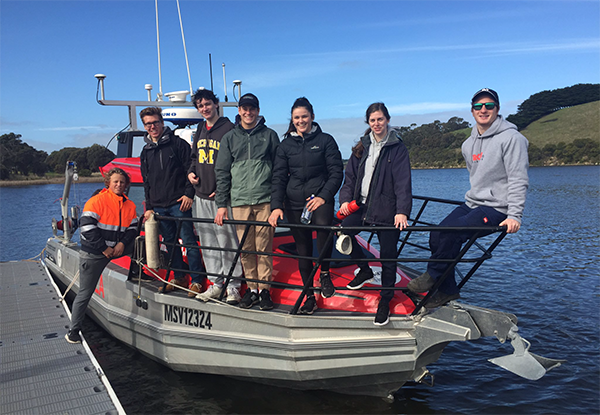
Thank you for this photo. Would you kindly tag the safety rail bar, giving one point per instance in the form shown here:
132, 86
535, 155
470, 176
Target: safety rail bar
477, 232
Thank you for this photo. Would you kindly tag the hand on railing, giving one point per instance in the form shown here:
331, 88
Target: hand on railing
512, 225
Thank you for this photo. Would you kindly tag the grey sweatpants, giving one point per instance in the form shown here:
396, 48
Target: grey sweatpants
90, 269
212, 235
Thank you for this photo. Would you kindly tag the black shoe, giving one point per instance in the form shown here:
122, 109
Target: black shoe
439, 299
250, 299
327, 288
309, 306
265, 300
361, 278
383, 313
73, 337
421, 284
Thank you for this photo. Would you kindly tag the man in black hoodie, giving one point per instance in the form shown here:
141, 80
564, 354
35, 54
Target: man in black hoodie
201, 174
164, 163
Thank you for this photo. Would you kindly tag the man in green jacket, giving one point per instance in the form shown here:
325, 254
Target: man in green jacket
243, 171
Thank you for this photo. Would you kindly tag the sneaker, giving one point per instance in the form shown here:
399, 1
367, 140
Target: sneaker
439, 299
250, 299
179, 282
265, 300
361, 278
73, 337
233, 295
421, 284
383, 313
195, 289
309, 306
327, 288
212, 292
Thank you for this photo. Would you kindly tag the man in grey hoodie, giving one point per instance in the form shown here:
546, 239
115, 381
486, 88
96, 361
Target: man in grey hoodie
497, 161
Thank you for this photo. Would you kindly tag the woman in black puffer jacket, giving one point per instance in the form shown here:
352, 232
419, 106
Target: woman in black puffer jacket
308, 162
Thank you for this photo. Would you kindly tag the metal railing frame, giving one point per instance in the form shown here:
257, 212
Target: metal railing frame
477, 232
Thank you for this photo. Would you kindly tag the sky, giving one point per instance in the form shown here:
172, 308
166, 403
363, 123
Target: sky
423, 59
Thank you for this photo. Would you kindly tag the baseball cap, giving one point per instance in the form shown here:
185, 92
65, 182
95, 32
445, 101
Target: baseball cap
249, 99
486, 91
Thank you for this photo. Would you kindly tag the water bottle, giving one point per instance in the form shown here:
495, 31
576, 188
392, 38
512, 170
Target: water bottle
306, 214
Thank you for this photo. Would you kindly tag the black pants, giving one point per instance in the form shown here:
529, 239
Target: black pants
304, 241
388, 246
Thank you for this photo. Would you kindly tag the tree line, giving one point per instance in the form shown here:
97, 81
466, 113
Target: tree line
546, 102
18, 158
433, 145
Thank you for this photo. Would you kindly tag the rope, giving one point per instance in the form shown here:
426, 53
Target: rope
35, 258
69, 287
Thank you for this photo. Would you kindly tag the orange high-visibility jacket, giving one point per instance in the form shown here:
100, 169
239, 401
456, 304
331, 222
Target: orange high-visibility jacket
106, 220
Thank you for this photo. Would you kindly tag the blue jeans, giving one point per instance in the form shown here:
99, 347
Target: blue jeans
447, 245
168, 230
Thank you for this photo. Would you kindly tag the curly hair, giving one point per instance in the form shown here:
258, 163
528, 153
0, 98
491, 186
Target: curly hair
113, 171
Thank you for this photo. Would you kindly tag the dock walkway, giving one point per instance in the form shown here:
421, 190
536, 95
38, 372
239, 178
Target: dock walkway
40, 373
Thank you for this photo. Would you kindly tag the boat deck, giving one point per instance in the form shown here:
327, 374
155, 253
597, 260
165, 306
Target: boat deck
39, 371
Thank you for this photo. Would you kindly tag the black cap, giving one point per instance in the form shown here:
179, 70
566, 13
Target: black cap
486, 91
248, 99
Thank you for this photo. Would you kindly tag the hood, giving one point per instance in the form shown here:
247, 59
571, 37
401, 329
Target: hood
166, 137
314, 131
393, 137
498, 126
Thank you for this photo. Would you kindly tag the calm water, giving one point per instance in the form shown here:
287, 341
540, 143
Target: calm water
547, 274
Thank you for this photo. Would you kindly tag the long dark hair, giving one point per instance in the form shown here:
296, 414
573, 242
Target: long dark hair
301, 102
358, 149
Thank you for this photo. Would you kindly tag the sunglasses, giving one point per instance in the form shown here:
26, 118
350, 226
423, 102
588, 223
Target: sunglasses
488, 106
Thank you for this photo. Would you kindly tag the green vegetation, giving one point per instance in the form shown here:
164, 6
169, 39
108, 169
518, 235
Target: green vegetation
566, 125
546, 102
18, 157
436, 145
18, 160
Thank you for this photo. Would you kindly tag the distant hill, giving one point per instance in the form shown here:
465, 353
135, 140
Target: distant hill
566, 125
567, 136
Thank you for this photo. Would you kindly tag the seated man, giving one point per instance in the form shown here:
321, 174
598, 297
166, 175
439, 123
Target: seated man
497, 161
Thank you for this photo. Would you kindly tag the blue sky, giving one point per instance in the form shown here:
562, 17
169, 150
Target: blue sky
424, 59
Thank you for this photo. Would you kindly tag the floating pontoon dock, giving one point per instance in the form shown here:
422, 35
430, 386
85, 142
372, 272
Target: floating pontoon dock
39, 371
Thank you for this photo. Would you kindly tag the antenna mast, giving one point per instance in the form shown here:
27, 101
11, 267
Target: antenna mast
224, 82
187, 64
160, 93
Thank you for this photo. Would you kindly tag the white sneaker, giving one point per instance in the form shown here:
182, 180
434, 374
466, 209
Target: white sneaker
233, 295
212, 292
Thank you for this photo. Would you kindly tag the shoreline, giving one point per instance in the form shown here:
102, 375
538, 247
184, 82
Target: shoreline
48, 180
100, 179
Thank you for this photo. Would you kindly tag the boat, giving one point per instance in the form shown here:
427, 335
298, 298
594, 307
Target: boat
337, 348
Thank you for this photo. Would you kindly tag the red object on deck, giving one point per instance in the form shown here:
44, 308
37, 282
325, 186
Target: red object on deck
130, 164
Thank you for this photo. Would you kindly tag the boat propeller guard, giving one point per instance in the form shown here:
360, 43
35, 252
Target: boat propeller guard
523, 363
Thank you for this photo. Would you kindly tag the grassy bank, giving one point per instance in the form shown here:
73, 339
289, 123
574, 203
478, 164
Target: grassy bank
48, 179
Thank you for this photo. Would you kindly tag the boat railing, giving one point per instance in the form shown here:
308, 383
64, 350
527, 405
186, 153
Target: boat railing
414, 237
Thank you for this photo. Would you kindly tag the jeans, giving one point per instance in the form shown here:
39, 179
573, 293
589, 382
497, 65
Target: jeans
447, 245
168, 230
